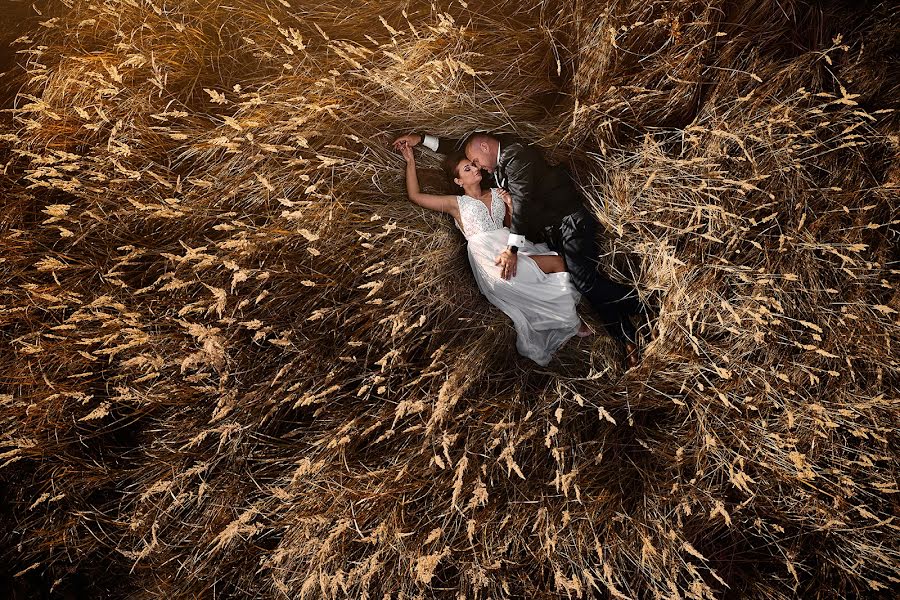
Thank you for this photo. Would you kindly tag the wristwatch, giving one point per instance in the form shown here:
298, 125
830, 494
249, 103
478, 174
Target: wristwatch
514, 249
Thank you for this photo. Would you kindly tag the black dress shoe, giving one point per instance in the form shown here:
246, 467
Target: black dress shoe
631, 355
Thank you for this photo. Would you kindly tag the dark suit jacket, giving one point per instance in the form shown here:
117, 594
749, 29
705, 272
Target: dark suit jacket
541, 194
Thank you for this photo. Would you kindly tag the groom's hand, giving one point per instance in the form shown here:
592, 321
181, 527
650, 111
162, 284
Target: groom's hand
410, 139
507, 262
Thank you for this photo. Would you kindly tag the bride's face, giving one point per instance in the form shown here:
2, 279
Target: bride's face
467, 173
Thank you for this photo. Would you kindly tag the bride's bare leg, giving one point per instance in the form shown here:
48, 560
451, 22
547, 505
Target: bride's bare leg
549, 263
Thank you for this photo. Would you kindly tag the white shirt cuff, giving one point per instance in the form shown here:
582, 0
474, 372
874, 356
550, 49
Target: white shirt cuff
516, 240
430, 142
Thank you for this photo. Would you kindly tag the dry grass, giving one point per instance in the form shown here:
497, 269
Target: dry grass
237, 362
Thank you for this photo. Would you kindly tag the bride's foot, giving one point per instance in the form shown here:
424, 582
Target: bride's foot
584, 330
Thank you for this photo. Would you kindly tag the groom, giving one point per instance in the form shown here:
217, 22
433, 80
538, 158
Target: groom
546, 207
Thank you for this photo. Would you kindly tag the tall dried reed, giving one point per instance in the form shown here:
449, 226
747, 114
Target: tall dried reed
237, 362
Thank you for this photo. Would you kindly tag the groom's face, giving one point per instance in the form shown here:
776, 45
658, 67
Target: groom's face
480, 155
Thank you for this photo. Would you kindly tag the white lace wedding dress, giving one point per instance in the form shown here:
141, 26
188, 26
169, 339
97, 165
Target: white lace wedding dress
541, 305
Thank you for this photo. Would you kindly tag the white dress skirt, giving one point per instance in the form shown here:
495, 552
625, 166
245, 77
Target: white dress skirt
541, 305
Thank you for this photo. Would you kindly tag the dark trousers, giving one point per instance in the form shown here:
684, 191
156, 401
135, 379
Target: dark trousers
575, 238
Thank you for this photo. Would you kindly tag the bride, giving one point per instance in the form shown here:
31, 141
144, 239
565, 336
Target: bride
540, 297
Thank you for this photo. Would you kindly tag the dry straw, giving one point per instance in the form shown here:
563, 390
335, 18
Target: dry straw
237, 362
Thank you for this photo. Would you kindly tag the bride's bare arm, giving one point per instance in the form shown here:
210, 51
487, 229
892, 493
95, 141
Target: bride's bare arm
445, 204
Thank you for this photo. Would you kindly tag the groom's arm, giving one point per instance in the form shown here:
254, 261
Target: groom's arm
520, 184
435, 144
441, 145
519, 168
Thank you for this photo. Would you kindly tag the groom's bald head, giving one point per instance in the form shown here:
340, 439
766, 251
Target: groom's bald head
481, 149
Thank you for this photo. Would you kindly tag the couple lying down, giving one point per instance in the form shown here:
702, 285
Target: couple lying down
532, 257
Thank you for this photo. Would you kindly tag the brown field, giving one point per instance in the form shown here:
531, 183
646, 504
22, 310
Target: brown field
236, 361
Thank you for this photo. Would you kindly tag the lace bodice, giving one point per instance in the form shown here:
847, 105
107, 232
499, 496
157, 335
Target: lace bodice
475, 217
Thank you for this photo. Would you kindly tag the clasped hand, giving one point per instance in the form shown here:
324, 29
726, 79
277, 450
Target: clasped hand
410, 139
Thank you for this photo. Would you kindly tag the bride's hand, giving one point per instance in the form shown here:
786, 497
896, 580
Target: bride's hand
507, 199
407, 153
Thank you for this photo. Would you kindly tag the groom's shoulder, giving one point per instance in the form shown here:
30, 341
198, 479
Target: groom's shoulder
508, 140
511, 146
